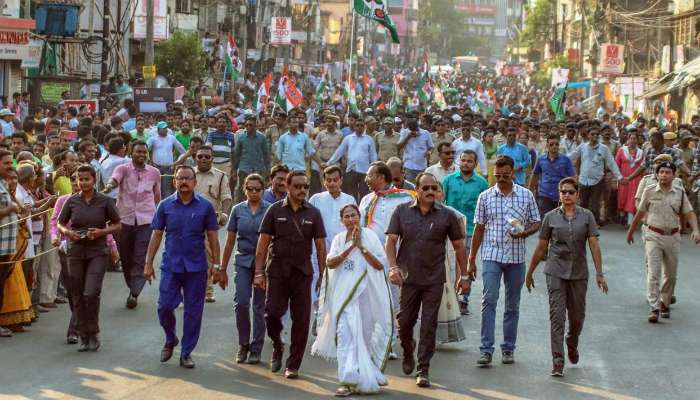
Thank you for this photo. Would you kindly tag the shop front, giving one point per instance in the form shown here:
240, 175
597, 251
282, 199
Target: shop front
14, 48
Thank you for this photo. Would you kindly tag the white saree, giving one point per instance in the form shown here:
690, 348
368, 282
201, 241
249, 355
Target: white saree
355, 316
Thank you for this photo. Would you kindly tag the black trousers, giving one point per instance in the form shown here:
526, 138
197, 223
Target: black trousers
85, 276
293, 292
411, 299
546, 205
133, 244
354, 185
5, 271
591, 197
316, 186
72, 330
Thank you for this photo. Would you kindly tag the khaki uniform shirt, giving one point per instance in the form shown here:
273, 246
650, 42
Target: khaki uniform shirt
648, 180
272, 134
387, 146
327, 143
213, 186
434, 155
664, 208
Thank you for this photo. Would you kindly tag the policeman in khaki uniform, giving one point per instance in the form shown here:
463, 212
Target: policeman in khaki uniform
387, 141
213, 185
662, 205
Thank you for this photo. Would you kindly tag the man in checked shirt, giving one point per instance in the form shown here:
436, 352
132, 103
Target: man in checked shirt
498, 210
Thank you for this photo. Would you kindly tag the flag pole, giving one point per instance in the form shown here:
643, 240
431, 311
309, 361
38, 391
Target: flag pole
352, 42
223, 83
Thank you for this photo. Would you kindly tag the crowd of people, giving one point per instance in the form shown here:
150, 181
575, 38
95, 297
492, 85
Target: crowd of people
349, 226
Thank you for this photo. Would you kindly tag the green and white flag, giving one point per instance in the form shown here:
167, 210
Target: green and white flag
233, 62
321, 88
557, 103
350, 97
378, 11
423, 89
395, 96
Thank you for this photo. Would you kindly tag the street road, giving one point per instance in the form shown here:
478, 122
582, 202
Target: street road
622, 355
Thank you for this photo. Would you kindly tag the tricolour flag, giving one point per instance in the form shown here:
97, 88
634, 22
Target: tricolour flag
288, 96
423, 89
321, 88
350, 97
263, 94
439, 99
378, 11
233, 62
395, 96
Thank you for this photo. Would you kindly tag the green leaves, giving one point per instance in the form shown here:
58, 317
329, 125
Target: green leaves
181, 59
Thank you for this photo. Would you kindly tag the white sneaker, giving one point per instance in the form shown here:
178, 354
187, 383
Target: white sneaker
393, 356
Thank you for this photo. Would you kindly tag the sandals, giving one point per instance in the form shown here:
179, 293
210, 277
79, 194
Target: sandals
343, 391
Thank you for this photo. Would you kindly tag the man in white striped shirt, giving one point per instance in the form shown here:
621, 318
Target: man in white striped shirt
505, 215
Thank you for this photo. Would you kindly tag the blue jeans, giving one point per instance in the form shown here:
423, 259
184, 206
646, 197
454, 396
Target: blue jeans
513, 278
241, 304
464, 296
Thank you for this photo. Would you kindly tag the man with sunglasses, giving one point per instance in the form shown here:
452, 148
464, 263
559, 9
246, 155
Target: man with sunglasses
506, 215
446, 163
287, 232
138, 196
569, 142
419, 268
213, 185
441, 135
549, 170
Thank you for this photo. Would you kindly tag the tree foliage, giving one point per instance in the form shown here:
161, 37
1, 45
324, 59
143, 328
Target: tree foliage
542, 77
538, 28
442, 29
181, 59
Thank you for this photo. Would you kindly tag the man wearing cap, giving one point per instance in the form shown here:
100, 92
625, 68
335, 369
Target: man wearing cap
387, 141
662, 205
670, 139
6, 122
359, 152
162, 147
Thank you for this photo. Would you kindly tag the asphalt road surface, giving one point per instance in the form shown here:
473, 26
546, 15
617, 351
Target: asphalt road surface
622, 355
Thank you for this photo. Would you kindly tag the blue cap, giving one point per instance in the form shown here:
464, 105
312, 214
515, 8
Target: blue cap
162, 125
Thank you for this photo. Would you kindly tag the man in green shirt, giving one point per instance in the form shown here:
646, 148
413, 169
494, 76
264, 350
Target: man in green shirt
184, 135
140, 133
462, 189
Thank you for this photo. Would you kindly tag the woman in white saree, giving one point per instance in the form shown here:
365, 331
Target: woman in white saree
355, 316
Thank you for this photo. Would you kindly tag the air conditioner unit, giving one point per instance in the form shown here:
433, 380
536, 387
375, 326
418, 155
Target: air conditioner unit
54, 19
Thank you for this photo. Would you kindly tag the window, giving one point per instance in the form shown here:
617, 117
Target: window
183, 6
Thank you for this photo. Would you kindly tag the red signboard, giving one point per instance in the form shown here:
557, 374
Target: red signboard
92, 104
476, 9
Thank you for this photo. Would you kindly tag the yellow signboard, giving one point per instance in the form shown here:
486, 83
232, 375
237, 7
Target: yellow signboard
149, 72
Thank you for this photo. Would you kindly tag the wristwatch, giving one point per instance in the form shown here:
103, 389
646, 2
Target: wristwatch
363, 250
217, 267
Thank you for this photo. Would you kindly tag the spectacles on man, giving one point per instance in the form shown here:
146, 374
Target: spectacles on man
569, 192
433, 188
253, 189
203, 157
184, 178
300, 186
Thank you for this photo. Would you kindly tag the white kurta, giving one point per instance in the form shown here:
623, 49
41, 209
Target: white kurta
356, 322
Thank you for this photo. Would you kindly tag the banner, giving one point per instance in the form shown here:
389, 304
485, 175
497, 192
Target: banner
280, 31
560, 76
611, 59
160, 19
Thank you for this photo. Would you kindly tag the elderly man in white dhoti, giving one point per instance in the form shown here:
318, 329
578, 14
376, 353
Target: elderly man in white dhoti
356, 322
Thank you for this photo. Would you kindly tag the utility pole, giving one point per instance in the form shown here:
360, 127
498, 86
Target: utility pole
582, 37
149, 57
556, 28
104, 71
287, 53
27, 9
120, 36
245, 11
307, 45
91, 30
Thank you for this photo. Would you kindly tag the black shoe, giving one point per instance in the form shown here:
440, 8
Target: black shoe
253, 358
654, 316
291, 373
484, 360
72, 339
94, 343
131, 302
242, 355
572, 352
673, 299
276, 361
408, 364
60, 300
84, 344
665, 311
507, 357
423, 380
187, 362
464, 308
167, 351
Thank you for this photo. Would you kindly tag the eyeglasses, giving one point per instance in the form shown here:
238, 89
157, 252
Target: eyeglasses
553, 143
203, 157
184, 178
569, 192
253, 189
447, 152
300, 186
426, 188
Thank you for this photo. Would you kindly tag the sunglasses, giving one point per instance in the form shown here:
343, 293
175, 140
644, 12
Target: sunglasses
569, 192
426, 188
447, 152
203, 157
253, 189
302, 186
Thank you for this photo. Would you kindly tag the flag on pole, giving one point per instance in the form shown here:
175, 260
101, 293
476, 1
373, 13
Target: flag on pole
423, 90
378, 11
233, 62
288, 96
483, 100
350, 97
439, 98
395, 96
557, 103
263, 94
321, 88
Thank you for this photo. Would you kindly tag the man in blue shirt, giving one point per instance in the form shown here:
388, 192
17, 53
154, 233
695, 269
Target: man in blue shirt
278, 184
416, 144
549, 170
518, 152
185, 218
